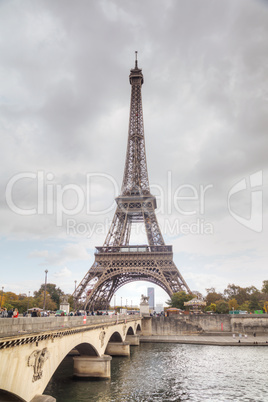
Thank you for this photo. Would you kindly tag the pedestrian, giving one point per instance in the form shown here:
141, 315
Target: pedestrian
15, 313
4, 312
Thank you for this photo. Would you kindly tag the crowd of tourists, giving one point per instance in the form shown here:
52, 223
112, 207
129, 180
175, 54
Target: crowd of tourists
12, 313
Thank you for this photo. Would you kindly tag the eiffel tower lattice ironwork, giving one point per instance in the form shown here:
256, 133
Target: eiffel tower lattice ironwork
116, 262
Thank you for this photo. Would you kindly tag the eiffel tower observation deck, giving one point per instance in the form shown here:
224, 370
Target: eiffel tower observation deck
117, 262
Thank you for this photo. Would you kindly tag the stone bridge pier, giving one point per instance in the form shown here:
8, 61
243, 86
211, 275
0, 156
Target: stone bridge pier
28, 361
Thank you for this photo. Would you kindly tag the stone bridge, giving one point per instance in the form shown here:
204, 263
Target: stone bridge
35, 348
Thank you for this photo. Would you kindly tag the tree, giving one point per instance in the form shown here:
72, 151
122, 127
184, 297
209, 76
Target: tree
245, 306
254, 302
177, 299
197, 294
212, 307
71, 301
233, 305
212, 296
240, 294
265, 287
50, 304
251, 289
55, 293
9, 300
222, 307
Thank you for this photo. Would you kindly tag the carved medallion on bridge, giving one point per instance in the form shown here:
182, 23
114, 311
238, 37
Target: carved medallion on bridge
37, 360
101, 337
124, 329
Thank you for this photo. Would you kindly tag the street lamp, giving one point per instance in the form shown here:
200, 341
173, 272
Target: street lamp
28, 301
114, 301
75, 295
2, 295
44, 307
121, 302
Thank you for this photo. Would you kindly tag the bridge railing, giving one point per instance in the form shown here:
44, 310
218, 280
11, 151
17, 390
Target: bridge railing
20, 325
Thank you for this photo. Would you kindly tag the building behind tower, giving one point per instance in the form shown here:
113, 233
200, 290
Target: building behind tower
150, 294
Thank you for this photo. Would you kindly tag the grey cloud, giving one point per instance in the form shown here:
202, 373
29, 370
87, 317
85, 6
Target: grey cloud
65, 94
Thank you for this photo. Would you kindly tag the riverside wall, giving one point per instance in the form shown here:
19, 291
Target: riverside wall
203, 323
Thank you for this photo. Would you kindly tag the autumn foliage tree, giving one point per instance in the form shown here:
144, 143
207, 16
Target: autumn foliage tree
177, 299
53, 294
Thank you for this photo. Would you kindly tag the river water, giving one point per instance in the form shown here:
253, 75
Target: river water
172, 372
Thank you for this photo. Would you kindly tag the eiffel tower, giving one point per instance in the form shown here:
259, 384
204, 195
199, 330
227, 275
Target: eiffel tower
116, 262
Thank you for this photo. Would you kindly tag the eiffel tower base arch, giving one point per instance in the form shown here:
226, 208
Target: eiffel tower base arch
115, 267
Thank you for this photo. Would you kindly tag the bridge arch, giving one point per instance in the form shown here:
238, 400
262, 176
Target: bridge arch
86, 349
130, 331
9, 396
116, 337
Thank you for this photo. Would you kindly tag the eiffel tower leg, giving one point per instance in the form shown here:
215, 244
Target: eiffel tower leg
128, 231
152, 229
119, 231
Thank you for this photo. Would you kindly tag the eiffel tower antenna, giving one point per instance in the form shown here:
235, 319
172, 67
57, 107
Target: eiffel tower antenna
117, 262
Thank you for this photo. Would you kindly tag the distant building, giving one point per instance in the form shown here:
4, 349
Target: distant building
150, 294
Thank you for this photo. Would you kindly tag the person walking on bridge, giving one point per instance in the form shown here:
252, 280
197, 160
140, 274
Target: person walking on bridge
15, 313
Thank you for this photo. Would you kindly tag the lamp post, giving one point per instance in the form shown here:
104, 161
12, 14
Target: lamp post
28, 301
114, 301
121, 303
75, 295
45, 291
2, 296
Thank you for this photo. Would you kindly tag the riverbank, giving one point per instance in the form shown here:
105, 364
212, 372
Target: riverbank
202, 324
228, 340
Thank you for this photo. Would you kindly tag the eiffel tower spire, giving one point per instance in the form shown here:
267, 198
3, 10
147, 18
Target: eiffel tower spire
136, 203
116, 262
135, 181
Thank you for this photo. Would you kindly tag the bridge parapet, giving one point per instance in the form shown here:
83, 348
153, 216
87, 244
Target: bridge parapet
17, 326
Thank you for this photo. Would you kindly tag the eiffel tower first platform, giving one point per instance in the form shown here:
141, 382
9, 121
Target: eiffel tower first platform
116, 262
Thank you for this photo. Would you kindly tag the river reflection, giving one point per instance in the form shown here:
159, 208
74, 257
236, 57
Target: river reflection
172, 372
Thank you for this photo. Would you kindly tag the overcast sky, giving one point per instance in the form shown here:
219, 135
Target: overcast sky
65, 99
